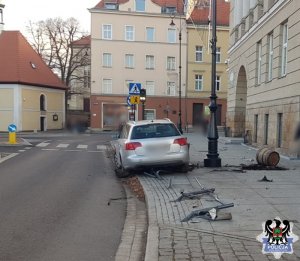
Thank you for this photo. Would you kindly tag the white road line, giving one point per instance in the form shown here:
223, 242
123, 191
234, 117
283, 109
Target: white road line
101, 147
8, 157
73, 150
62, 145
28, 148
82, 146
21, 150
42, 144
50, 149
96, 151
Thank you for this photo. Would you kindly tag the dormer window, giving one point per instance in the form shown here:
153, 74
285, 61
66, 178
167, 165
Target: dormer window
140, 5
33, 65
168, 10
111, 6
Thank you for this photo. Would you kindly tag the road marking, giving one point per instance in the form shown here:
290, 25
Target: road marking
101, 147
62, 145
73, 150
50, 149
96, 151
8, 157
28, 148
21, 150
42, 144
82, 146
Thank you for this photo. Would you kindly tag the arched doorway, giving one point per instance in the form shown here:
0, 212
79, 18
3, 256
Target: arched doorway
240, 104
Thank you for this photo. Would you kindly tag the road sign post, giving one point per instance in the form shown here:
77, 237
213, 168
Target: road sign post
12, 137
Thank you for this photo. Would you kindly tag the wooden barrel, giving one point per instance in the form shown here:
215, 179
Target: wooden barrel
267, 157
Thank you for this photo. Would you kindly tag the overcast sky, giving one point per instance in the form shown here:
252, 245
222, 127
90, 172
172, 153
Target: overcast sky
17, 13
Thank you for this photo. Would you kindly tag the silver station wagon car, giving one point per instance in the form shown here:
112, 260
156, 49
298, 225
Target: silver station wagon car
150, 144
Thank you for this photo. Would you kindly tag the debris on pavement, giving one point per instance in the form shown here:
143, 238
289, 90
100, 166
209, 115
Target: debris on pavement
136, 187
265, 179
208, 213
194, 194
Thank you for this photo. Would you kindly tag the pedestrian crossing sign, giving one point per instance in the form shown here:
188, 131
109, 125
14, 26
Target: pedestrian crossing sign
135, 88
135, 99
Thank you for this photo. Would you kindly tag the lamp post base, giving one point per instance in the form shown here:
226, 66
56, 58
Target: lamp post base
212, 163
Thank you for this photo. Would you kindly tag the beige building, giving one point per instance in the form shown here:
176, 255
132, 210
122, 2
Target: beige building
31, 96
264, 93
133, 41
199, 63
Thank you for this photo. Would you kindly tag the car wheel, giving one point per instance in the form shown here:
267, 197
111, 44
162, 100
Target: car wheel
119, 169
184, 168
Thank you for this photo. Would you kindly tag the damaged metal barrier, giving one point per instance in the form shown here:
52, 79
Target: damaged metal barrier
210, 213
194, 194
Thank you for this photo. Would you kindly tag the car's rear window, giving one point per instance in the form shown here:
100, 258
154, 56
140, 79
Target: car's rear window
155, 130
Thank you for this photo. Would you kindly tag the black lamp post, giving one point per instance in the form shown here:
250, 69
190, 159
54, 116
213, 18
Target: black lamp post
213, 159
179, 91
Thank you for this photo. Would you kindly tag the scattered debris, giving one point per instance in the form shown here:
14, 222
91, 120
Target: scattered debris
115, 199
136, 187
261, 167
154, 174
265, 179
210, 213
194, 194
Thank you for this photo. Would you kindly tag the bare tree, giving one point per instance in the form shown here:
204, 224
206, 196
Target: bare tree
53, 40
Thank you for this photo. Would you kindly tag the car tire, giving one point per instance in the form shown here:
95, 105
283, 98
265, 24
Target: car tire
119, 169
184, 168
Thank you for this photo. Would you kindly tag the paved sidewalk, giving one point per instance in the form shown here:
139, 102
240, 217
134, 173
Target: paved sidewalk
255, 202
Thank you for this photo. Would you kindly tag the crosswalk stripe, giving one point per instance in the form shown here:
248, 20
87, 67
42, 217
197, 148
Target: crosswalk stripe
28, 148
62, 145
43, 144
101, 147
82, 146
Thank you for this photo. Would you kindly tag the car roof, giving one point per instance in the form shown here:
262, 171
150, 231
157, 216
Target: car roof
146, 122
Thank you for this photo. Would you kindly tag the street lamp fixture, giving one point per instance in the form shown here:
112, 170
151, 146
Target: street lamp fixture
213, 159
179, 89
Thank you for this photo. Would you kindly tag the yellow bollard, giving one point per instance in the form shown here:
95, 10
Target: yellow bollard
12, 139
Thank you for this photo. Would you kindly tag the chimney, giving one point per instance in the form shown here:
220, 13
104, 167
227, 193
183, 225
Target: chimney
1, 16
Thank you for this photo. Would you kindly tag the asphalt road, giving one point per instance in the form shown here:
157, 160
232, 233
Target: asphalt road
54, 201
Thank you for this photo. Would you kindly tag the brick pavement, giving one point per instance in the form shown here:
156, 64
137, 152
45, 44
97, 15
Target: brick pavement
255, 202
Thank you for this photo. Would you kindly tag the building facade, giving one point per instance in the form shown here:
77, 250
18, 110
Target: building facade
31, 96
264, 93
133, 41
199, 61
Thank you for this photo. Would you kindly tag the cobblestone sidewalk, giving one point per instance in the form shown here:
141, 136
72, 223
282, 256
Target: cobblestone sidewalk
255, 202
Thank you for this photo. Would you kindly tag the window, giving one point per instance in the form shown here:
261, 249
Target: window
107, 86
149, 114
279, 130
111, 6
171, 63
218, 54
149, 62
129, 61
258, 63
218, 83
198, 82
270, 57
140, 5
266, 129
255, 127
171, 88
42, 102
150, 87
87, 76
168, 10
199, 53
284, 49
150, 32
171, 35
107, 60
129, 33
107, 31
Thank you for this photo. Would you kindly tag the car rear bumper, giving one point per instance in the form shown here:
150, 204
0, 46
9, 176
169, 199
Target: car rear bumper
169, 160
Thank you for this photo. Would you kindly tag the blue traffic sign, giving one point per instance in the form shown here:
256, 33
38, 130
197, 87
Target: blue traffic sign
128, 100
135, 88
12, 128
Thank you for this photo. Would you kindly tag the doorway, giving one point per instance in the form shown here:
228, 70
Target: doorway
197, 114
42, 123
